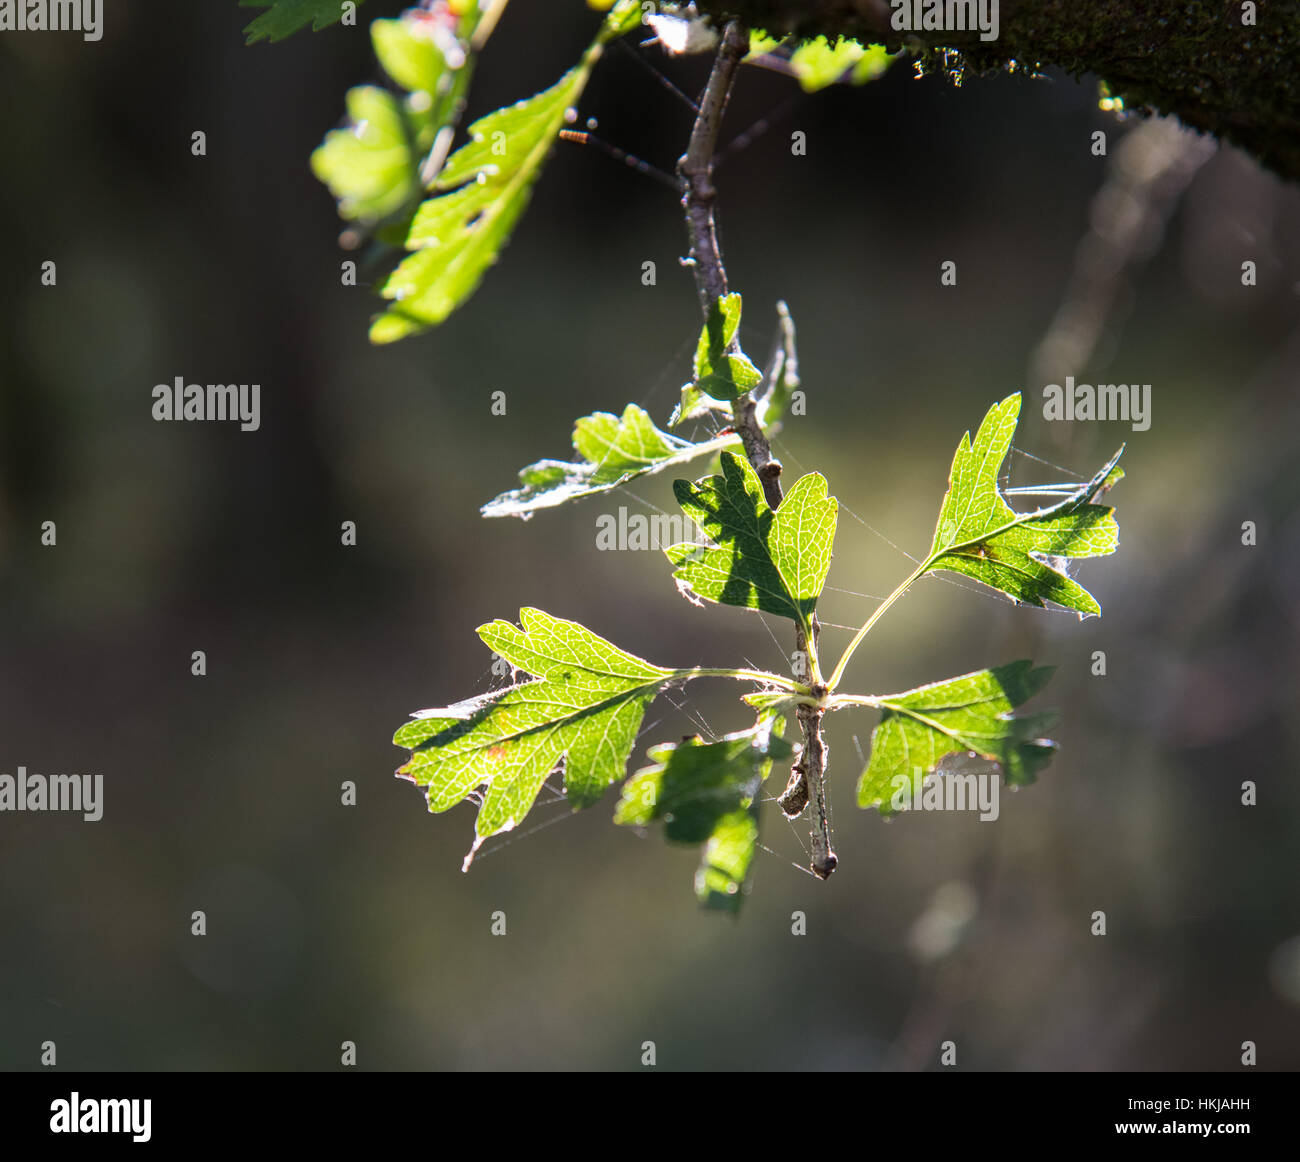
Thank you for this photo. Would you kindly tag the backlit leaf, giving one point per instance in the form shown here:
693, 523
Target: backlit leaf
817, 64
706, 793
722, 370
779, 380
612, 450
368, 165
372, 165
580, 714
759, 559
479, 196
979, 535
920, 727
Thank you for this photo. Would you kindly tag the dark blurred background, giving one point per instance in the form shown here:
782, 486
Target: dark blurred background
329, 923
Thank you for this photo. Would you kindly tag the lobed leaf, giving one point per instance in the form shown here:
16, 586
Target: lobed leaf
479, 196
921, 727
772, 561
779, 380
457, 235
368, 166
581, 714
372, 165
706, 793
979, 535
722, 370
613, 450
417, 52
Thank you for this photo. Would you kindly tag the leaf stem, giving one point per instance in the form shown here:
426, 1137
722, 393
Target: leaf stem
744, 676
1081, 492
875, 617
838, 701
807, 635
487, 23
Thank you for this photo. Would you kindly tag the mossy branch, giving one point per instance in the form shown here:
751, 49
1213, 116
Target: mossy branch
1191, 58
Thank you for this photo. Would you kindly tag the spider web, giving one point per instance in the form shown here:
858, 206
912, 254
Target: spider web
551, 807
677, 714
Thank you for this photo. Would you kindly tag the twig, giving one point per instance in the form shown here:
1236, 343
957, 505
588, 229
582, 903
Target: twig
807, 779
658, 76
583, 137
696, 168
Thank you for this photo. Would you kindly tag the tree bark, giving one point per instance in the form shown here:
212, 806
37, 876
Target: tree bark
1194, 59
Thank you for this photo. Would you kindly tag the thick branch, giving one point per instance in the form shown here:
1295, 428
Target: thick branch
807, 786
1192, 58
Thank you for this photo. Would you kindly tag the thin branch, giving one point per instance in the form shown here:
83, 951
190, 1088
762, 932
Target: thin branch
583, 137
696, 168
879, 612
807, 779
658, 76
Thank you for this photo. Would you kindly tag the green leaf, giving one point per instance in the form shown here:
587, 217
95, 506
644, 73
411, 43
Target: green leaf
413, 57
694, 404
625, 18
722, 370
581, 713
724, 865
781, 377
773, 561
706, 792
457, 234
972, 713
285, 17
873, 65
372, 165
817, 64
979, 535
479, 196
368, 166
612, 450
